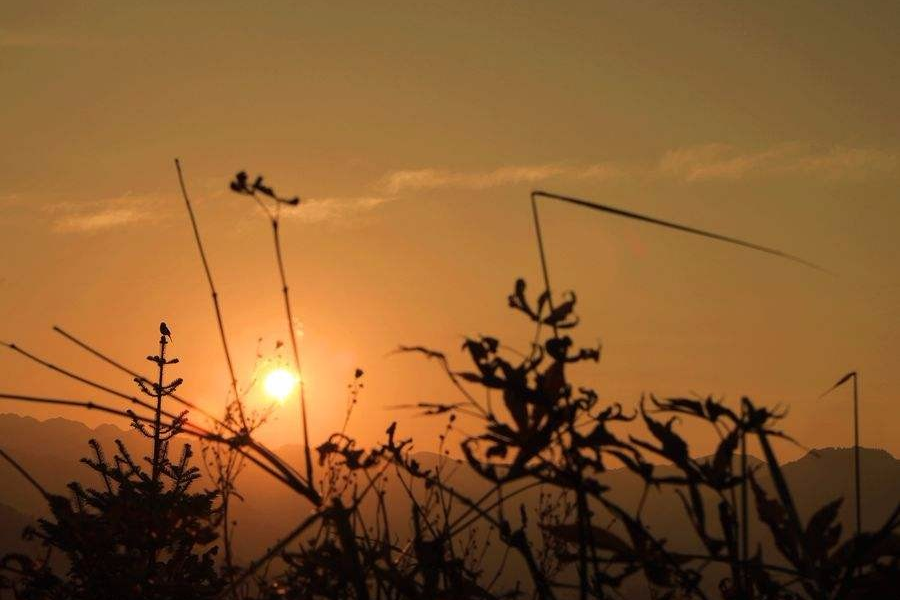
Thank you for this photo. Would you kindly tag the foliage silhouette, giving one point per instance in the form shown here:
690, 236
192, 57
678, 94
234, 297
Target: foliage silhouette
142, 534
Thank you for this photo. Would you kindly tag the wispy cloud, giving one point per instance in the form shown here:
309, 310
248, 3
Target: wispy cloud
725, 162
94, 216
843, 162
691, 164
318, 210
604, 172
424, 179
419, 179
98, 215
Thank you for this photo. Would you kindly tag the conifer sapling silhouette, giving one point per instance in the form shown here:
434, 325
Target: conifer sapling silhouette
142, 534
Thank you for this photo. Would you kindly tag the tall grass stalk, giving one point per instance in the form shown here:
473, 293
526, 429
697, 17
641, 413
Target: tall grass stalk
661, 223
212, 289
854, 376
259, 192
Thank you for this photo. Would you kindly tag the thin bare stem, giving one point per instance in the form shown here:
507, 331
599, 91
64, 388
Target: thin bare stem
540, 243
91, 405
157, 415
213, 292
854, 376
24, 473
745, 519
684, 228
856, 453
307, 454
137, 375
79, 378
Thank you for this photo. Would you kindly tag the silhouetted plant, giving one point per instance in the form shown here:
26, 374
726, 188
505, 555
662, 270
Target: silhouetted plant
534, 428
549, 431
241, 185
545, 431
142, 534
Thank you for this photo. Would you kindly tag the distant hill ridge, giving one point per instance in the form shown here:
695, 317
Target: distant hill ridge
18, 421
15, 428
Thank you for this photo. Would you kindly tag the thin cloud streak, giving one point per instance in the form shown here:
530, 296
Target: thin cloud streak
419, 179
691, 164
94, 216
98, 215
319, 210
725, 162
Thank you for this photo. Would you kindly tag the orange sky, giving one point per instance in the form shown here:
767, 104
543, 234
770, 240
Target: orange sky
416, 133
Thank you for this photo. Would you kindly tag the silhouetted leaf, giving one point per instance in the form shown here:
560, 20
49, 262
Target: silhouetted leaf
773, 514
822, 533
721, 463
470, 377
557, 317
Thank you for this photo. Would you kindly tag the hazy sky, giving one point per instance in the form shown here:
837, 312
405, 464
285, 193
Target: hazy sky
416, 131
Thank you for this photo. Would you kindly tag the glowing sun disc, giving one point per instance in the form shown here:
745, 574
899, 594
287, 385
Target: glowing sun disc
279, 383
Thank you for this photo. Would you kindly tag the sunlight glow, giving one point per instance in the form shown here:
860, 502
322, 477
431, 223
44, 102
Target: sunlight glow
279, 383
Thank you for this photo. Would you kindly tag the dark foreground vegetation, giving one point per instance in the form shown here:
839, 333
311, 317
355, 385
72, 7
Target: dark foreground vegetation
141, 530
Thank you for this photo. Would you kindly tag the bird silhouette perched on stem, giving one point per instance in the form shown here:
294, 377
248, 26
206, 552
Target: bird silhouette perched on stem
164, 331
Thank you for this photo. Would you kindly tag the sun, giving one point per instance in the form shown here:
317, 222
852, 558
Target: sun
279, 383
